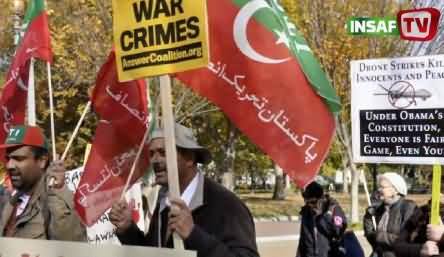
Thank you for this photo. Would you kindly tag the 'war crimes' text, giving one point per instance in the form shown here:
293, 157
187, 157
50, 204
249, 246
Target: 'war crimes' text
158, 33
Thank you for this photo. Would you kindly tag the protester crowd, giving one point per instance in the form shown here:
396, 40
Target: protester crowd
207, 217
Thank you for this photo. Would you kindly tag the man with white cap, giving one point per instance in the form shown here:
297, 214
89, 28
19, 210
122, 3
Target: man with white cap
390, 215
210, 219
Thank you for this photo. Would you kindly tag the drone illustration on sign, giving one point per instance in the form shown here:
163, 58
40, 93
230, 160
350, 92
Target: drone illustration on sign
402, 94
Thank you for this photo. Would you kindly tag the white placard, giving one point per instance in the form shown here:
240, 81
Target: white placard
398, 110
102, 232
16, 247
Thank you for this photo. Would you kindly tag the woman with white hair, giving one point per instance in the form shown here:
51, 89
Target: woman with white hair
390, 215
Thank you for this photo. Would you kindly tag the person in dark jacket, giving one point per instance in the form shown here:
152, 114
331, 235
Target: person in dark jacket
210, 219
322, 224
389, 216
418, 238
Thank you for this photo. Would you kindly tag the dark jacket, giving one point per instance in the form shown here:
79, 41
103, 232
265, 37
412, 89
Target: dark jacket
223, 225
382, 242
48, 215
4, 196
321, 235
413, 235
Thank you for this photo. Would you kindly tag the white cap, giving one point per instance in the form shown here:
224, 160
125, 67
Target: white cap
396, 180
186, 139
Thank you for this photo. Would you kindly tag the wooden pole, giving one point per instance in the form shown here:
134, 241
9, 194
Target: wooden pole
136, 160
76, 130
435, 218
170, 145
364, 181
31, 96
51, 111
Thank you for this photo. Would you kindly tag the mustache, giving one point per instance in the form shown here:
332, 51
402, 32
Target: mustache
158, 166
12, 171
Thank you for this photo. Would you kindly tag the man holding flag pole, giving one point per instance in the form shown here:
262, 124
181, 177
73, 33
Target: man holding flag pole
263, 80
34, 210
27, 148
209, 218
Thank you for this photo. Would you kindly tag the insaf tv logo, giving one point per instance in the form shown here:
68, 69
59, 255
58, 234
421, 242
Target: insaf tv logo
416, 24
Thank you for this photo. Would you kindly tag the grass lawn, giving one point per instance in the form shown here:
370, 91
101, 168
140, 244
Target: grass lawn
261, 204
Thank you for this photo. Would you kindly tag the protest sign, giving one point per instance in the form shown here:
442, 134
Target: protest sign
102, 232
16, 247
397, 110
159, 37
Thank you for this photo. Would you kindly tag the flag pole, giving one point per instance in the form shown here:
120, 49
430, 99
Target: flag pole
136, 160
76, 130
74, 134
51, 111
170, 145
435, 218
364, 182
150, 127
31, 95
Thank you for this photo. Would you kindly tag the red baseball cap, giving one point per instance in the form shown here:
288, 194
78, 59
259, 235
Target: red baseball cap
25, 135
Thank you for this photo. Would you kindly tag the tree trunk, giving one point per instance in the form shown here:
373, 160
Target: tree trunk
230, 153
344, 172
264, 182
287, 182
374, 177
344, 136
355, 194
253, 181
345, 180
228, 180
279, 186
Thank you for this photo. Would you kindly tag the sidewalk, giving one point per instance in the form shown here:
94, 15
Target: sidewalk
285, 246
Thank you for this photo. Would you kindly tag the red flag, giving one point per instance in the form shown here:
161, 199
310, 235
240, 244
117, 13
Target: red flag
256, 79
123, 110
35, 43
122, 103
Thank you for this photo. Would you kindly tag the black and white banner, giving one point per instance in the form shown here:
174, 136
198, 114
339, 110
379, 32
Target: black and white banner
398, 110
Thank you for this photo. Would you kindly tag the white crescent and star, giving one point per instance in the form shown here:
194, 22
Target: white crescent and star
240, 34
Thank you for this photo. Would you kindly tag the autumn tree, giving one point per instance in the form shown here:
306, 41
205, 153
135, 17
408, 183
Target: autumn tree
323, 25
81, 37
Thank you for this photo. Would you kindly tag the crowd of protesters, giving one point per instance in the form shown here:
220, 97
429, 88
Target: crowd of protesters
393, 225
208, 218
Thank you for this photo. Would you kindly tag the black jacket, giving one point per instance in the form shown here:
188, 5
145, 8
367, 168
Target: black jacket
413, 235
321, 235
382, 242
223, 225
4, 196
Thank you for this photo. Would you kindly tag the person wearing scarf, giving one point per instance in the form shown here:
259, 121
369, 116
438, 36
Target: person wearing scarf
390, 215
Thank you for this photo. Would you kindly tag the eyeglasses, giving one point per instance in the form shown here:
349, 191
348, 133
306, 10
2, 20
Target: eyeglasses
384, 187
311, 201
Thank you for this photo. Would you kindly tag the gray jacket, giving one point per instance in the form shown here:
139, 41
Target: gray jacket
48, 215
383, 241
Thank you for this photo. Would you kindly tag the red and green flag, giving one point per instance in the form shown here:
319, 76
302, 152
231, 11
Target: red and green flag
123, 111
264, 76
35, 43
37, 38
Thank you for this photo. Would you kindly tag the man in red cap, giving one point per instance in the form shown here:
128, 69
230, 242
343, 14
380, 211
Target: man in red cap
35, 210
